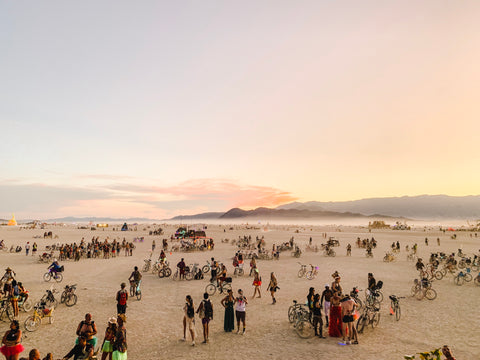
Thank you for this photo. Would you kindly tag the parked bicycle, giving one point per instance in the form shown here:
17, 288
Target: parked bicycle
68, 296
395, 306
40, 312
312, 274
25, 303
300, 316
6, 309
329, 252
212, 288
49, 298
147, 265
371, 316
389, 257
356, 298
303, 270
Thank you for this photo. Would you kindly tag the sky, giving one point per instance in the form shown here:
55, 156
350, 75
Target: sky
160, 108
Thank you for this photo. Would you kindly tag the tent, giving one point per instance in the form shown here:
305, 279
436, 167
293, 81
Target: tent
12, 221
124, 227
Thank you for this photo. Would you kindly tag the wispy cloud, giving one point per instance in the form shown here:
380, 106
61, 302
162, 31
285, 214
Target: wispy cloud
134, 199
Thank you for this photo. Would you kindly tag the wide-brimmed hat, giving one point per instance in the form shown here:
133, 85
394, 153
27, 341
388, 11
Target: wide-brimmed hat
112, 320
8, 269
122, 317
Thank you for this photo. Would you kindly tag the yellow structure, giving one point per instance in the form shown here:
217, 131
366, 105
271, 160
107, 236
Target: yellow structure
12, 221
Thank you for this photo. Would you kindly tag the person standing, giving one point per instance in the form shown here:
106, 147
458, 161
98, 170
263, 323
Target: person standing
181, 267
326, 295
189, 319
349, 250
120, 343
372, 283
213, 270
257, 282
229, 320
27, 248
335, 326
240, 310
273, 287
310, 299
122, 297
348, 308
205, 311
107, 346
336, 287
34, 249
11, 342
317, 316
153, 246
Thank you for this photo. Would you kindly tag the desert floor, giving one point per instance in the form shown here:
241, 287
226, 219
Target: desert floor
154, 324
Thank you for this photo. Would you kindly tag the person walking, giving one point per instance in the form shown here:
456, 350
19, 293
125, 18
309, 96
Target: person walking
122, 297
273, 287
27, 248
229, 320
189, 319
205, 311
240, 310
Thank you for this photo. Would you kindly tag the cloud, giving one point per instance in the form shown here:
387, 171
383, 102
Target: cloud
132, 199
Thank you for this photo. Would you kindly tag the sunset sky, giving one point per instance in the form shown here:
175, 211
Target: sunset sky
159, 108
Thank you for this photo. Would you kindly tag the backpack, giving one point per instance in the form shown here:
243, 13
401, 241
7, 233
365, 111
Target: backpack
190, 311
207, 309
122, 298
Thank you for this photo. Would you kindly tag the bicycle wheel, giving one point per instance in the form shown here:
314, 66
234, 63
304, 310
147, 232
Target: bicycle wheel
226, 287
461, 265
189, 276
132, 290
459, 280
161, 273
205, 268
333, 253
139, 295
397, 312
63, 297
375, 319
420, 294
210, 289
291, 313
438, 275
380, 296
301, 273
47, 276
32, 323
240, 272
175, 276
71, 300
145, 268
310, 275
58, 278
27, 305
304, 329
362, 321
468, 277
430, 294
359, 304
167, 272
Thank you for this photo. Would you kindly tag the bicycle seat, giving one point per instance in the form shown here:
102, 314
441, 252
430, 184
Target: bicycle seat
294, 301
393, 298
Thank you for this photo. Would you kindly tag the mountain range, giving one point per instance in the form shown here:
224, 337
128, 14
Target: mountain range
422, 207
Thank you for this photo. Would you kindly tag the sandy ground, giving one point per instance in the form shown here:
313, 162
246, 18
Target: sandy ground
154, 324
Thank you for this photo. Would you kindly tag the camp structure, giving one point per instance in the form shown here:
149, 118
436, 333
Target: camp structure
102, 225
378, 225
12, 221
125, 227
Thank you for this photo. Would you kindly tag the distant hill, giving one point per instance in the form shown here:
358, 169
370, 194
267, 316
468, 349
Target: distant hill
267, 213
425, 207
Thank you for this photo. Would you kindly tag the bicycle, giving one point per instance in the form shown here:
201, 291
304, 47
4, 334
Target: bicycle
135, 290
24, 303
68, 296
165, 271
49, 298
389, 257
371, 316
238, 270
57, 275
297, 310
148, 263
211, 288
461, 277
303, 270
356, 298
40, 311
329, 253
423, 289
447, 269
312, 274
395, 306
300, 315
6, 309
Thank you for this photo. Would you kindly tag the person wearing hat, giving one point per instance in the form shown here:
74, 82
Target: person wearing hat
326, 295
7, 279
107, 345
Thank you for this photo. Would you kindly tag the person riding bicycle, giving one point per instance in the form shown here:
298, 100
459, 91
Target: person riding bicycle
55, 267
137, 278
372, 283
162, 256
222, 276
420, 265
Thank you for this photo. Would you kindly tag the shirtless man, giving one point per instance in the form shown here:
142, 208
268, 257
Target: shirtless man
326, 295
